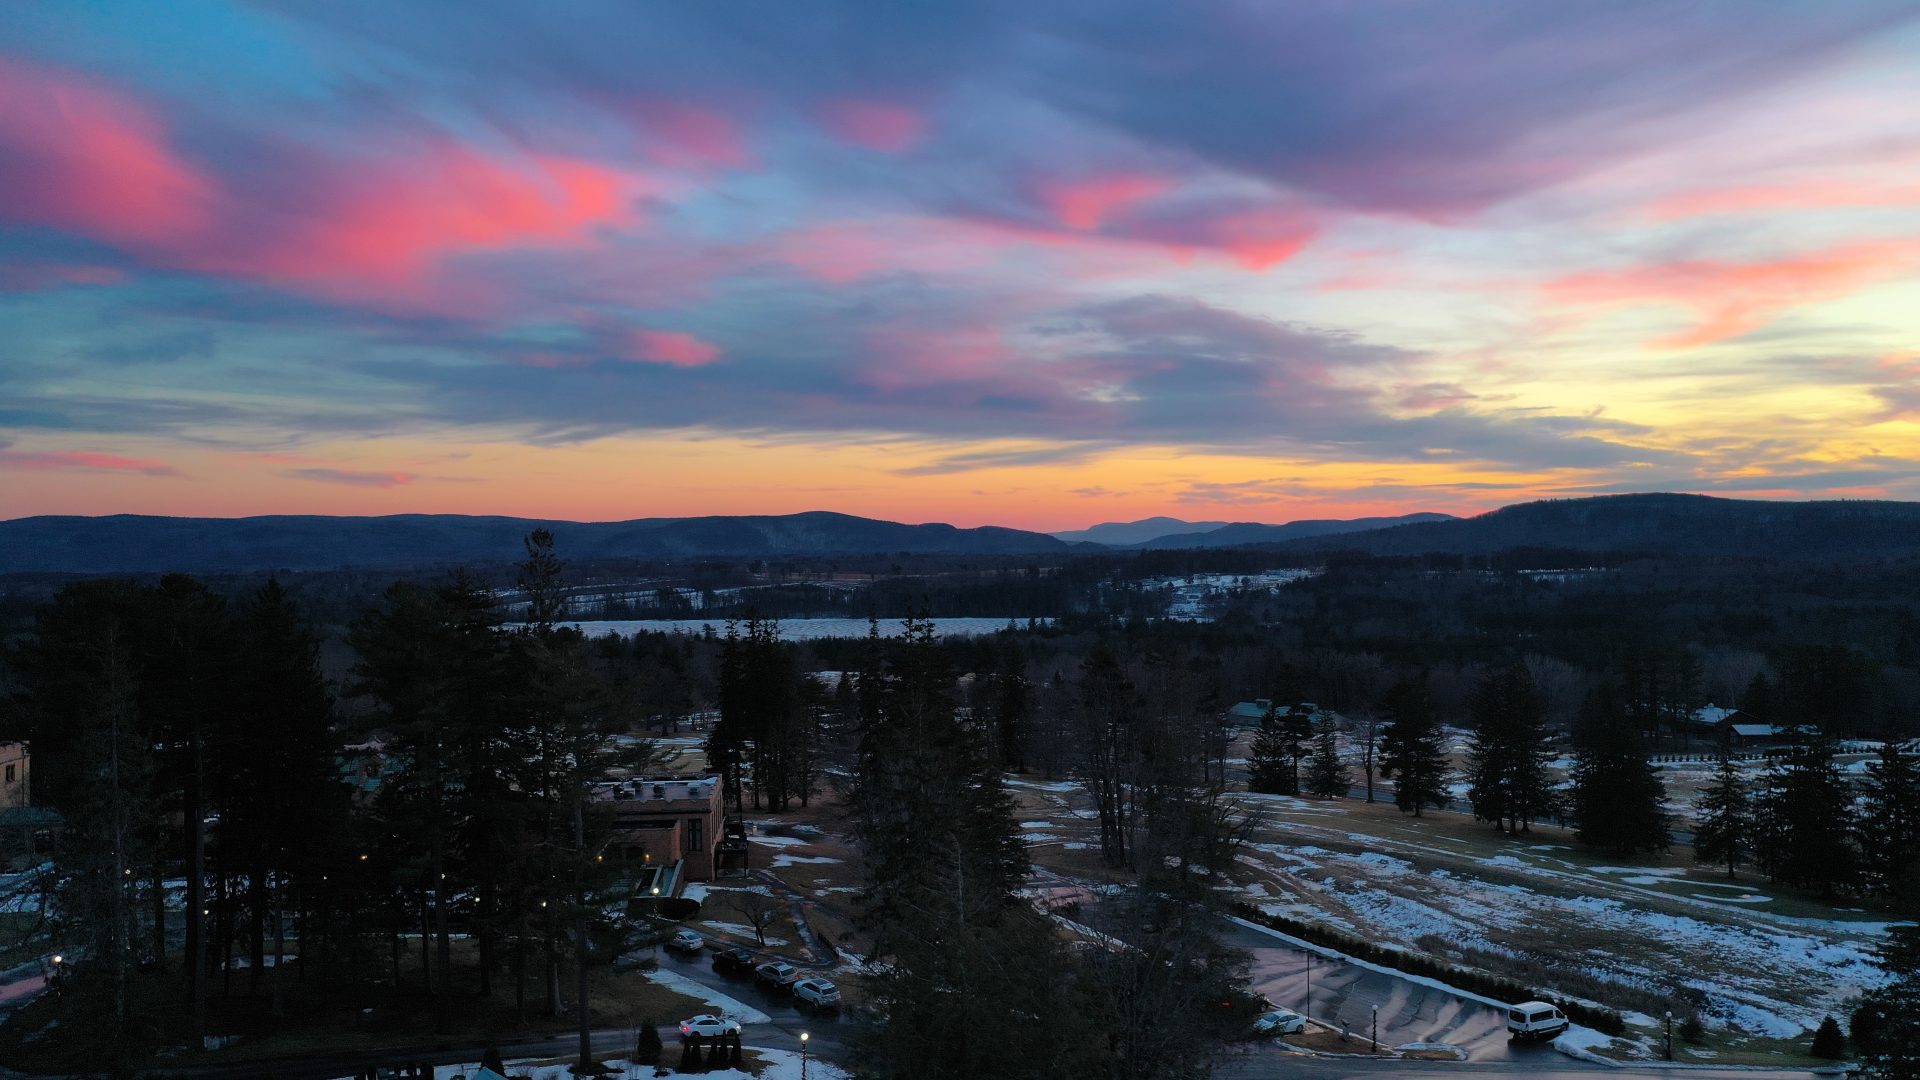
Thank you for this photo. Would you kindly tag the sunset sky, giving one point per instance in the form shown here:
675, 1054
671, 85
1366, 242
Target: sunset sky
1027, 263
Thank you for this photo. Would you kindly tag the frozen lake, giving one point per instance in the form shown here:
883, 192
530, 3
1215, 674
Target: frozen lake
798, 629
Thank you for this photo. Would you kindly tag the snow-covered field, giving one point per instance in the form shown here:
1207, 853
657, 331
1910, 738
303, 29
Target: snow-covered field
1537, 906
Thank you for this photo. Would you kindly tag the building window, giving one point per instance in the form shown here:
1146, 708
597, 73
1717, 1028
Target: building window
10, 768
696, 834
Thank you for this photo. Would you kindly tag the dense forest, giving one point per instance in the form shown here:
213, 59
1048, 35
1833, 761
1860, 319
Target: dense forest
205, 731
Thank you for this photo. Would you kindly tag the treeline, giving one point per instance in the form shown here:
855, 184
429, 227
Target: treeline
972, 979
232, 855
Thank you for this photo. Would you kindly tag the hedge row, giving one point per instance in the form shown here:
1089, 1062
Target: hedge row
1605, 1021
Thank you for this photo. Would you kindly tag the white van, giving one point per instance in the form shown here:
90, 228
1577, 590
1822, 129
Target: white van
1535, 1020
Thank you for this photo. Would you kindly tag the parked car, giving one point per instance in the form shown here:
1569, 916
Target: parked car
777, 974
686, 941
733, 961
707, 1025
1279, 1022
818, 993
1535, 1020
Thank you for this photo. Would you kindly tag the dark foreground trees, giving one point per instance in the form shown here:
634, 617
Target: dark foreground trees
974, 979
1617, 800
1412, 750
1886, 1028
1724, 829
182, 736
1507, 775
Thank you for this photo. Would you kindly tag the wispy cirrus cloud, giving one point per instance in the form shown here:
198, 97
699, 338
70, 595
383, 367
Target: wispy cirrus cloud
350, 477
81, 461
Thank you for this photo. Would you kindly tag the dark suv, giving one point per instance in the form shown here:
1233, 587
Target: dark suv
733, 961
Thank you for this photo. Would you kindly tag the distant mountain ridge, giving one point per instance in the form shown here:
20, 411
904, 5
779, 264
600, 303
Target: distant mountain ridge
1644, 523
139, 544
1655, 523
1120, 533
1241, 533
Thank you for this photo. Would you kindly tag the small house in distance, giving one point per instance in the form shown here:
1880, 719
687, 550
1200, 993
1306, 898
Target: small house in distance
672, 824
1734, 728
27, 832
1248, 713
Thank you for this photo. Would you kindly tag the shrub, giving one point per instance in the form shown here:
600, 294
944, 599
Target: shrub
1864, 1026
1692, 1030
677, 908
647, 1049
1828, 1042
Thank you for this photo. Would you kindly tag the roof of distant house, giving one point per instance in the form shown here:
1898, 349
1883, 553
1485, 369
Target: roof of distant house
658, 789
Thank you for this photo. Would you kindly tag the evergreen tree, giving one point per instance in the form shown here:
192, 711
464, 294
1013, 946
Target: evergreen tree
1828, 1041
1617, 801
81, 681
647, 1049
1811, 811
287, 826
1886, 1028
1269, 765
1327, 775
1507, 773
1412, 753
1890, 825
943, 860
1296, 731
1724, 832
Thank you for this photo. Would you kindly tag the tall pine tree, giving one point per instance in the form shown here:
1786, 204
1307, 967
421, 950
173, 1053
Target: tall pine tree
1412, 750
1508, 782
1617, 801
1812, 817
1270, 760
1327, 775
1890, 824
1723, 834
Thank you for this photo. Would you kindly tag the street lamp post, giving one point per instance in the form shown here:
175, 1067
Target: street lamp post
803, 1056
1376, 1029
1669, 1034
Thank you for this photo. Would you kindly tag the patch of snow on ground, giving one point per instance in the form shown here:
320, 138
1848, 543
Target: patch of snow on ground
784, 859
778, 841
742, 930
731, 1008
1057, 786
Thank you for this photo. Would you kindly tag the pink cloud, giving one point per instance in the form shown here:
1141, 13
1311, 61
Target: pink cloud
673, 347
1809, 195
876, 125
684, 134
381, 233
908, 356
1735, 298
78, 155
846, 251
82, 460
383, 228
1085, 204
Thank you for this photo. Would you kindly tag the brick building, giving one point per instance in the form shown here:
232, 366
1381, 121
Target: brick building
672, 823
